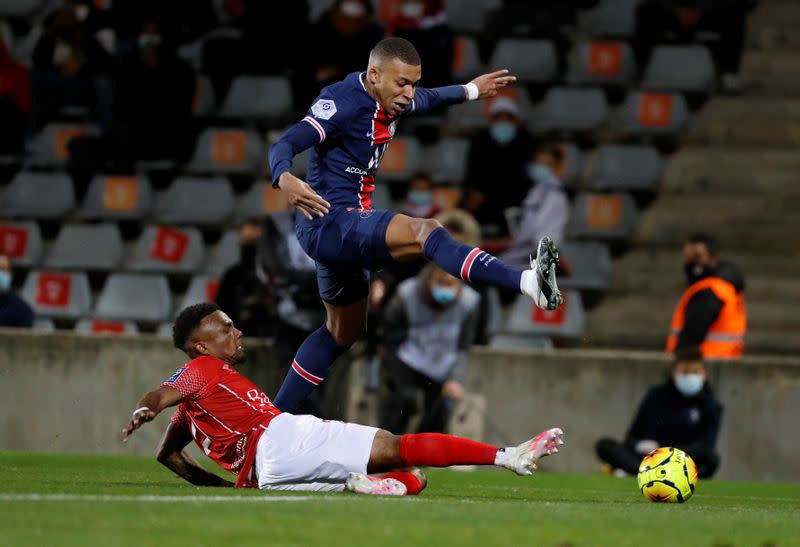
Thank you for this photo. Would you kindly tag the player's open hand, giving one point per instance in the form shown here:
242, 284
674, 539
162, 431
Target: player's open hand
488, 84
140, 417
303, 197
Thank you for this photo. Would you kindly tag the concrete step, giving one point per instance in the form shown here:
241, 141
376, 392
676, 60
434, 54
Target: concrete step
772, 72
773, 24
746, 121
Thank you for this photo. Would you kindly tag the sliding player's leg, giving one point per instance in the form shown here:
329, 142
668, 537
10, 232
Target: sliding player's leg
408, 237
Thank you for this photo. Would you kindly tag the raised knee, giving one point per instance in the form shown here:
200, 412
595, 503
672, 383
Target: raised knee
423, 228
345, 335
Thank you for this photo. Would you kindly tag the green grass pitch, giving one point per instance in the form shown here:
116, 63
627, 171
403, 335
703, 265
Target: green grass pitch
48, 499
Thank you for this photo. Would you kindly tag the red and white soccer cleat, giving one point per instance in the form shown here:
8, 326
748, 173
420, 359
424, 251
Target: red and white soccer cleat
374, 486
522, 459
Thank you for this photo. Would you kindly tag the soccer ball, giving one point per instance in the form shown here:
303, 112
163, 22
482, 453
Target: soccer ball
667, 475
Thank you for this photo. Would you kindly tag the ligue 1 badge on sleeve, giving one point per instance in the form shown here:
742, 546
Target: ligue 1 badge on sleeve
324, 109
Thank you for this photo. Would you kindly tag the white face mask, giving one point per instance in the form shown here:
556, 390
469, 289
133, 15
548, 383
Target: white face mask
81, 12
689, 384
412, 10
353, 9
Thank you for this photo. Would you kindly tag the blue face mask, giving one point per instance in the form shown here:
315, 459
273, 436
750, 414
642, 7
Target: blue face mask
689, 384
541, 174
420, 197
443, 295
5, 281
503, 132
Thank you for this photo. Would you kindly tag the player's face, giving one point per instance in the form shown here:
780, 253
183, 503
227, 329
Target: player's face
395, 83
219, 338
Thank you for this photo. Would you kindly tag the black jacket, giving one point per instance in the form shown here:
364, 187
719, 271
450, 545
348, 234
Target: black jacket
14, 311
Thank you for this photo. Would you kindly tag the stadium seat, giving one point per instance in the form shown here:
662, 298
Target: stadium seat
318, 7
601, 63
225, 254
610, 18
586, 265
197, 201
22, 241
680, 69
99, 326
531, 61
565, 323
400, 160
228, 152
18, 8
261, 98
202, 288
625, 167
38, 195
446, 161
43, 324
49, 149
86, 247
467, 16
168, 250
466, 58
134, 297
262, 199
164, 330
57, 294
112, 197
204, 101
573, 164
472, 115
520, 341
650, 114
570, 109
602, 217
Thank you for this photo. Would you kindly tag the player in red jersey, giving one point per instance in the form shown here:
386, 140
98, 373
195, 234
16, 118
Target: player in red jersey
235, 424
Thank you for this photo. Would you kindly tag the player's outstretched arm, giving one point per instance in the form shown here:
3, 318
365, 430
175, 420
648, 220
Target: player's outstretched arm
489, 84
302, 196
170, 454
149, 406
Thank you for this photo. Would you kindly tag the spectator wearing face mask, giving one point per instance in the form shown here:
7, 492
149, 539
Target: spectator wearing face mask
496, 177
419, 200
14, 311
681, 412
429, 327
711, 313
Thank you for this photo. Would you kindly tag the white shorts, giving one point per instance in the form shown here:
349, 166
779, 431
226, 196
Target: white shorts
306, 453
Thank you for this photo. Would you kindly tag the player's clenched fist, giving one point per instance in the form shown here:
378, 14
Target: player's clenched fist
140, 416
303, 197
488, 84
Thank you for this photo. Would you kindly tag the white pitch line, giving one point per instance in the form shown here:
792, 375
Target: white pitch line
100, 497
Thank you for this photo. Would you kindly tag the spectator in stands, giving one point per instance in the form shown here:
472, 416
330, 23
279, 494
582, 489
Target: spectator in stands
424, 24
659, 21
430, 326
244, 288
336, 46
14, 311
682, 412
496, 176
711, 313
70, 67
15, 103
419, 200
545, 209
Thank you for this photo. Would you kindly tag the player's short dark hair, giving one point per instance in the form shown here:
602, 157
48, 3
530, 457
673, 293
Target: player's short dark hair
706, 239
397, 48
189, 319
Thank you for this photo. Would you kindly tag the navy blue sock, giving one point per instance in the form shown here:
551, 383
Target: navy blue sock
310, 367
471, 264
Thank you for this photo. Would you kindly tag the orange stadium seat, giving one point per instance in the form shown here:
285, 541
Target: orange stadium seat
228, 152
22, 241
466, 58
601, 63
49, 149
115, 197
401, 159
58, 294
603, 217
650, 114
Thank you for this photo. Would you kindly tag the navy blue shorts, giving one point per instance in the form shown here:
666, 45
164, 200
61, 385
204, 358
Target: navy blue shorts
346, 245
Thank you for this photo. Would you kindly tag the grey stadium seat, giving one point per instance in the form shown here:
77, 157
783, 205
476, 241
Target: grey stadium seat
49, 148
468, 15
22, 241
602, 217
204, 100
650, 114
520, 341
446, 161
228, 152
202, 288
44, 324
588, 264
472, 115
528, 60
86, 247
601, 63
134, 297
679, 68
566, 323
570, 109
259, 98
610, 18
625, 167
165, 330
401, 159
100, 327
194, 200
38, 195
573, 163
114, 197
18, 8
225, 254
58, 294
466, 58
166, 249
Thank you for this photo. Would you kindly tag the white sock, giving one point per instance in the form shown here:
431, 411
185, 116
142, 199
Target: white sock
503, 455
528, 283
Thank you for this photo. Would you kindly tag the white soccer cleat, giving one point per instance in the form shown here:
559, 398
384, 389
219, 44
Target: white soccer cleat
540, 281
374, 486
523, 458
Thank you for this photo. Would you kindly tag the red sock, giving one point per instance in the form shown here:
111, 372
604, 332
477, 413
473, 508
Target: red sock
437, 450
413, 484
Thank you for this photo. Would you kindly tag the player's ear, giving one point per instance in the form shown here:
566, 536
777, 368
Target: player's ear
200, 348
372, 75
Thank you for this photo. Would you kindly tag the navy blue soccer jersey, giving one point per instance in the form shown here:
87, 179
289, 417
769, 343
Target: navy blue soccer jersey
349, 132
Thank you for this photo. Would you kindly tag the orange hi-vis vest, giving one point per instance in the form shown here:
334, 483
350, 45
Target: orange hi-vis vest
725, 337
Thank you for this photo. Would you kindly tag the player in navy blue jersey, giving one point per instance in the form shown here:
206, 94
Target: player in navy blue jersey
348, 129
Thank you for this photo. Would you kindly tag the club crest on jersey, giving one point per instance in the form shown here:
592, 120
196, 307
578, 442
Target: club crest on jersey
324, 109
177, 375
